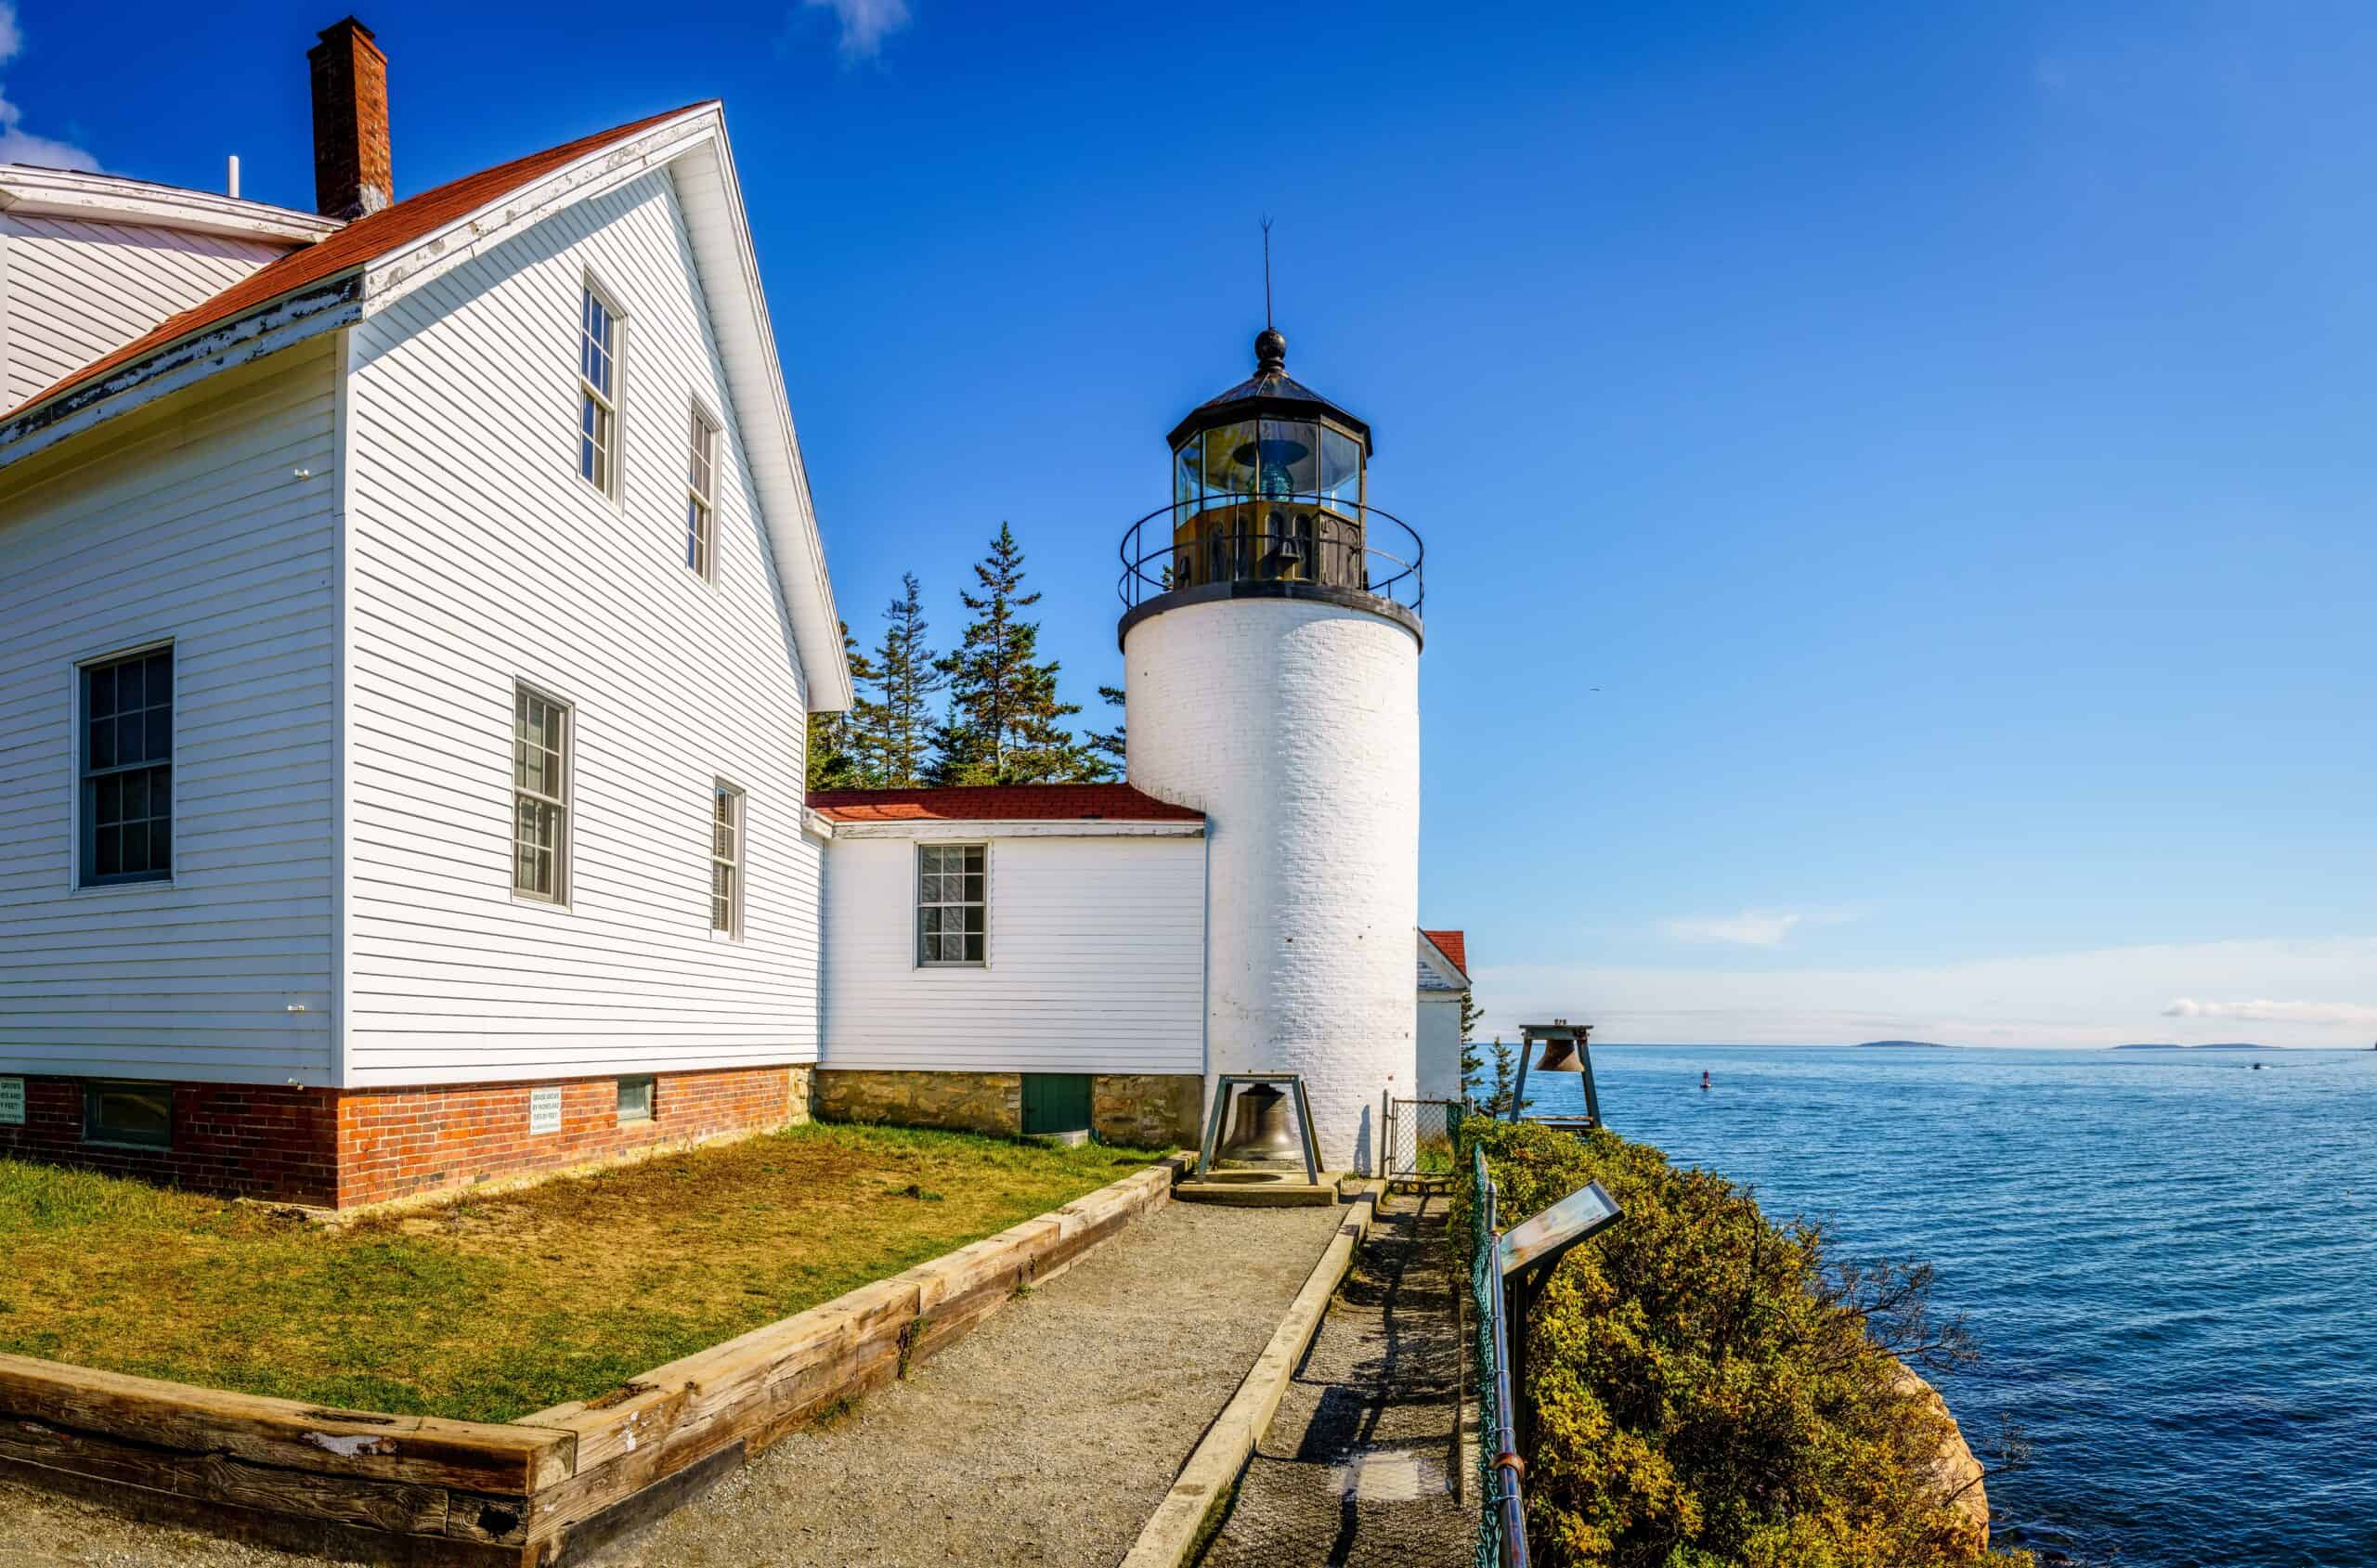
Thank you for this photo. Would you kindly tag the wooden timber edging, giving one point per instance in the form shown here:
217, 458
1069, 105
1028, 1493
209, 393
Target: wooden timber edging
544, 1489
1200, 1493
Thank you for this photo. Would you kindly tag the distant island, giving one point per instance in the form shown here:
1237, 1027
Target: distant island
2174, 1045
1902, 1045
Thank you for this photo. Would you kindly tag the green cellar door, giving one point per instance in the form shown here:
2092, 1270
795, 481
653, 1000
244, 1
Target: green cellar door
1055, 1102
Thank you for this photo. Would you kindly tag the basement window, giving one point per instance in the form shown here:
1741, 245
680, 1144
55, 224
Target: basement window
128, 1113
951, 903
600, 327
636, 1098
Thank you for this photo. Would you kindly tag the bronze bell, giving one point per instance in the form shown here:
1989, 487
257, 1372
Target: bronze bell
1259, 1132
1560, 1055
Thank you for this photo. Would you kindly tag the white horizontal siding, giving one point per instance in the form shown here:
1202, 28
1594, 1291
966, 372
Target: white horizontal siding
1096, 960
188, 522
477, 557
72, 290
1437, 1040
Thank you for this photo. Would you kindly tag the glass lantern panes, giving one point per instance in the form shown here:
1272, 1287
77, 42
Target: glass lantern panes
1341, 468
128, 768
951, 903
1288, 451
1229, 460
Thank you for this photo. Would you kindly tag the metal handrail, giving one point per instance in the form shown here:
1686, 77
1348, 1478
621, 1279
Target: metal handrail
1147, 572
1502, 1467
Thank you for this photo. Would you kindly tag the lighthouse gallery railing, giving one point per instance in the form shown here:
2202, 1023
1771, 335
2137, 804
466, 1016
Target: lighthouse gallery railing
1316, 539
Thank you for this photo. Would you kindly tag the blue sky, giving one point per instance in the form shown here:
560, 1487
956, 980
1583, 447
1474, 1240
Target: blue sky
1897, 479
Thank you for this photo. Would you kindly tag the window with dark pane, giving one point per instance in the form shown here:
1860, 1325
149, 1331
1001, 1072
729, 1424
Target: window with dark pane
726, 860
539, 795
701, 497
951, 903
598, 393
128, 732
128, 1113
636, 1098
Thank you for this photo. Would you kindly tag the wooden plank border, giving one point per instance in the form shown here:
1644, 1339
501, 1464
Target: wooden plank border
551, 1486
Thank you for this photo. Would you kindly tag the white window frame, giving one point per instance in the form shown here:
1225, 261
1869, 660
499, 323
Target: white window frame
524, 692
607, 480
919, 904
735, 864
702, 442
78, 739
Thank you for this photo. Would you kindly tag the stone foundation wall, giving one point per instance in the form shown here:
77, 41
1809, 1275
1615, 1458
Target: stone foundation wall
1144, 1110
960, 1102
1148, 1109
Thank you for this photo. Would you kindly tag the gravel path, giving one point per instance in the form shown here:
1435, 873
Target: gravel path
1044, 1437
1357, 1467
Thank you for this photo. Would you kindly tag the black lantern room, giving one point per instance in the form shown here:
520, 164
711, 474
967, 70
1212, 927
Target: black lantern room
1268, 483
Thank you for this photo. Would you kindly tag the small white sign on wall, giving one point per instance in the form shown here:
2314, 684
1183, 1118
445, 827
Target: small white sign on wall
12, 1102
544, 1110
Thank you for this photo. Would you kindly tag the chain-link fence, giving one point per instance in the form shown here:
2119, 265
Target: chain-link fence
1421, 1135
1502, 1516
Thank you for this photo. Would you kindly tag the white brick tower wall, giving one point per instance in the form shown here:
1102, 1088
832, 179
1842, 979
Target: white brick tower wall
1294, 725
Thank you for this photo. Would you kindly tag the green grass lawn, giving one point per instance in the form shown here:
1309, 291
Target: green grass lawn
492, 1306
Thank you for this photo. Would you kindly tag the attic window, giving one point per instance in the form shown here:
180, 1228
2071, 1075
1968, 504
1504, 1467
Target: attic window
600, 329
701, 498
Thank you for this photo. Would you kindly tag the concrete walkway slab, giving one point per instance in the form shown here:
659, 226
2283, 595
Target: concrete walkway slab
1359, 1465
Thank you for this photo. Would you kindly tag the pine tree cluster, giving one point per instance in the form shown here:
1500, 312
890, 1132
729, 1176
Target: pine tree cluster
1003, 720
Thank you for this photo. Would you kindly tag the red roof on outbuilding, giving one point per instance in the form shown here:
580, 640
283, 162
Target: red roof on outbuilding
364, 240
1452, 944
1000, 803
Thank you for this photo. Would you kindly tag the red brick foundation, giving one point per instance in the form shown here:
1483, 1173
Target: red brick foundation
338, 1148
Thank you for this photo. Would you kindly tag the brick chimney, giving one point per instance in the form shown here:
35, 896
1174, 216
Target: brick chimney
352, 173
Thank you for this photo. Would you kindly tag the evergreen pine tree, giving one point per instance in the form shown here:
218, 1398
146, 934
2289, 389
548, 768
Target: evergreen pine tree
1473, 1065
894, 730
1005, 723
1109, 743
833, 761
1506, 1082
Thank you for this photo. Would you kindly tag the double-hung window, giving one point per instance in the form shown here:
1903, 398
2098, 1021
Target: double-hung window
701, 498
600, 330
127, 769
726, 860
951, 904
539, 796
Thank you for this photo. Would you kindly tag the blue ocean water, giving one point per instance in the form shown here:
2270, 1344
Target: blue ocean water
2170, 1260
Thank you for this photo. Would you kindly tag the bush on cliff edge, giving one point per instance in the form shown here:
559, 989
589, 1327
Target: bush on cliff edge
1706, 1394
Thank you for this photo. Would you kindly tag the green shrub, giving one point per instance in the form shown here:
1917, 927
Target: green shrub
1706, 1393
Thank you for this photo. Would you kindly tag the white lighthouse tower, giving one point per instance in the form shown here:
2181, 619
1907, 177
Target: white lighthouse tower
1271, 656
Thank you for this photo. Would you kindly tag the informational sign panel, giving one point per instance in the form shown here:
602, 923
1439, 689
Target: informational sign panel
12, 1102
544, 1110
1559, 1228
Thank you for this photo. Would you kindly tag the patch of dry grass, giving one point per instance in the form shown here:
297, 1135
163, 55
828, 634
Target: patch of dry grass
493, 1307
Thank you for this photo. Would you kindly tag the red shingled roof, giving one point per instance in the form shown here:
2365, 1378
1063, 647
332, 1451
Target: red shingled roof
1000, 803
364, 240
1453, 945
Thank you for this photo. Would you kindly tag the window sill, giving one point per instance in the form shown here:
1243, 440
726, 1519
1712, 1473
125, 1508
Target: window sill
153, 885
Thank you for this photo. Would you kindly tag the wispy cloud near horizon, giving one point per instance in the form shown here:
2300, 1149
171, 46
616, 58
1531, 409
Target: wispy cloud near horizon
864, 24
1751, 928
18, 145
2104, 996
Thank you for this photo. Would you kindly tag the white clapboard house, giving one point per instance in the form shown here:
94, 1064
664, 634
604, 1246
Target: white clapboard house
410, 615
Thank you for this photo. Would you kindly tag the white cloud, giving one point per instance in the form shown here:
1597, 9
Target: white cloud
18, 145
1751, 928
2262, 1011
865, 23
2100, 997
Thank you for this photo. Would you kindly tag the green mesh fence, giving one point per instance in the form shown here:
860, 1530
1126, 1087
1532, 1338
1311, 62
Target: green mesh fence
1495, 1484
